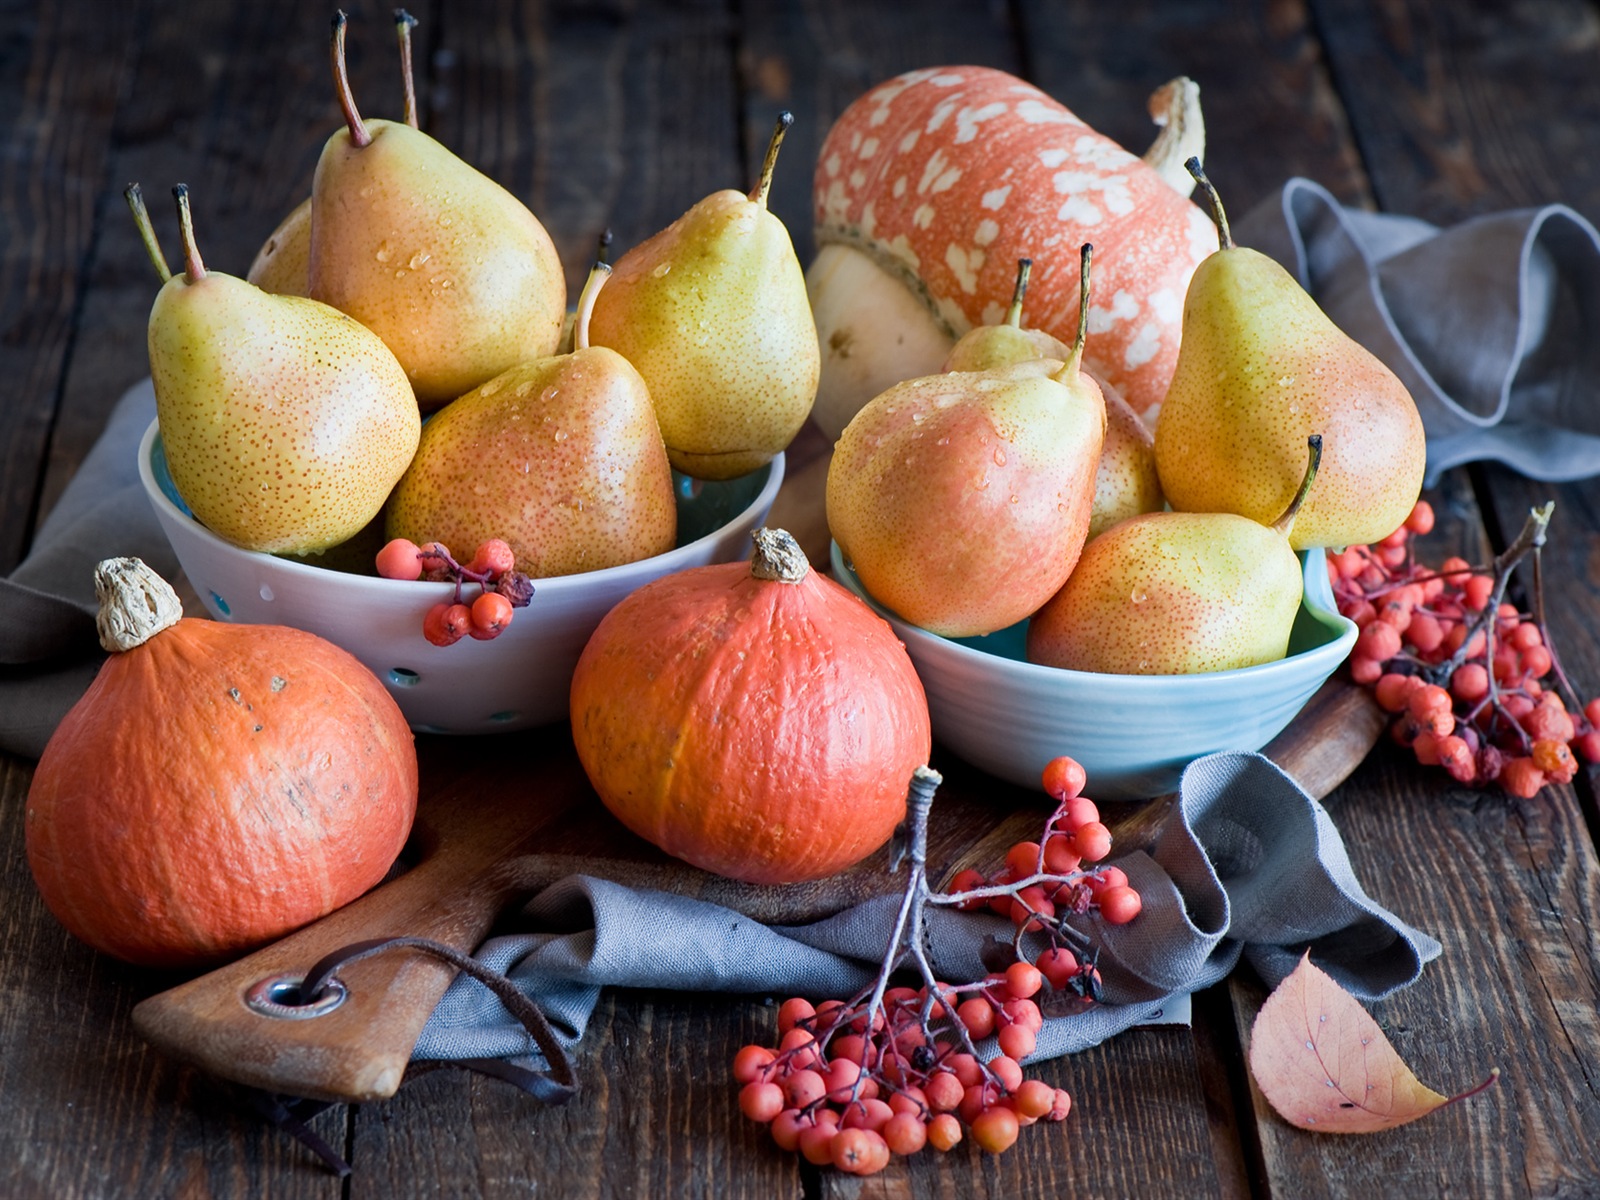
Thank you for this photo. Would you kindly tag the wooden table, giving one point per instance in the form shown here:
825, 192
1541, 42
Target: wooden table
622, 114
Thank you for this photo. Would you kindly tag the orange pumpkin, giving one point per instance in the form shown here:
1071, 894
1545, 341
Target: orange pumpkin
755, 720
217, 786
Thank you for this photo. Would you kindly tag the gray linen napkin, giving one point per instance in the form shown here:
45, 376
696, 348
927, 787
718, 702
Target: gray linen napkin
1245, 864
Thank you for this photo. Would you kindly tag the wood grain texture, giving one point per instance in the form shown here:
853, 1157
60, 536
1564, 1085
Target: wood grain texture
1470, 107
61, 79
1278, 118
657, 1116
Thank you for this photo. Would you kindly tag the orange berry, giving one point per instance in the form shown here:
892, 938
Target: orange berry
1119, 905
1092, 842
1063, 778
1379, 640
816, 1143
761, 1101
1023, 979
792, 1011
752, 1063
1017, 1041
1035, 1098
1058, 964
943, 1091
905, 1133
944, 1132
1007, 1070
1421, 518
995, 1130
1522, 777
977, 1014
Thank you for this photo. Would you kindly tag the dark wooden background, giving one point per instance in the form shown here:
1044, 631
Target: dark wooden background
618, 114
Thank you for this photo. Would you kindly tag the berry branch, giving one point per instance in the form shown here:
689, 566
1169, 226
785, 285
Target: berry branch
501, 588
893, 1069
1464, 670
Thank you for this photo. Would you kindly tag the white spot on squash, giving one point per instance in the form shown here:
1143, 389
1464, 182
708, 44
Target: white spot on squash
968, 120
988, 229
1146, 344
995, 199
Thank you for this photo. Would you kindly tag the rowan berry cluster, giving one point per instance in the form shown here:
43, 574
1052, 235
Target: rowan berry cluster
1473, 681
501, 588
894, 1069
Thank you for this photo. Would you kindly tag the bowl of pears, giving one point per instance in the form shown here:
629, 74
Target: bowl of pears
1135, 590
393, 433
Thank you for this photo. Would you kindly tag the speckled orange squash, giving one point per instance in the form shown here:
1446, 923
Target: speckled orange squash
946, 176
755, 720
217, 786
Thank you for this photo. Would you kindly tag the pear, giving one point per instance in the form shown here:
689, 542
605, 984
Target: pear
962, 500
285, 422
283, 264
1125, 482
1174, 593
451, 270
713, 311
561, 457
1260, 367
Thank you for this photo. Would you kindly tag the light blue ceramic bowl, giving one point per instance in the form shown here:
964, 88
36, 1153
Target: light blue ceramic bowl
520, 679
1133, 733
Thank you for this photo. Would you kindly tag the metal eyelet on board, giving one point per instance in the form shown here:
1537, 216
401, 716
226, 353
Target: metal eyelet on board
278, 997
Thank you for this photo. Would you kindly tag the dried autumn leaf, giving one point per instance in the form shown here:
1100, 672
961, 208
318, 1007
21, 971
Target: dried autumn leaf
1323, 1063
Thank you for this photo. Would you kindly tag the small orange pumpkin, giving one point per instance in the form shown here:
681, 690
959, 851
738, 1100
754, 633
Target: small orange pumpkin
755, 720
217, 786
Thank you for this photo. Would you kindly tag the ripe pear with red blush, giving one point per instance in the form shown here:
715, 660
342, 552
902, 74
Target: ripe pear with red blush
962, 500
1173, 593
283, 264
1126, 482
1260, 367
560, 457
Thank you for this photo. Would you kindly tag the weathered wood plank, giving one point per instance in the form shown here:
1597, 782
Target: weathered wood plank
658, 1115
61, 78
1276, 118
1472, 107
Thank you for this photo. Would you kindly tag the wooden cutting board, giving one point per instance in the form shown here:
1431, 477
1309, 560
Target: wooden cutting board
501, 818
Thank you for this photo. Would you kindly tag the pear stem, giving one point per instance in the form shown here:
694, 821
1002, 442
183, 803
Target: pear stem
598, 274
193, 266
147, 232
1286, 522
341, 84
1069, 369
1213, 201
603, 249
764, 185
404, 23
1014, 313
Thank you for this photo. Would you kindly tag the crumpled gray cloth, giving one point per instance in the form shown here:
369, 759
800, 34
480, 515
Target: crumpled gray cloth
1493, 324
1246, 864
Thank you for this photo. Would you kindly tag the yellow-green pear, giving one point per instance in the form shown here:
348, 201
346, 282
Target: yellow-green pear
1125, 482
962, 500
1260, 367
283, 264
713, 311
285, 422
560, 457
1174, 593
451, 270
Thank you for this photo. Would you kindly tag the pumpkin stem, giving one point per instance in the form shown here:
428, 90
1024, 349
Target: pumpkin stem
135, 604
778, 557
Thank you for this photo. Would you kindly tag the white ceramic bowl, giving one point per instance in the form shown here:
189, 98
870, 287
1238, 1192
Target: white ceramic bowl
1133, 733
518, 680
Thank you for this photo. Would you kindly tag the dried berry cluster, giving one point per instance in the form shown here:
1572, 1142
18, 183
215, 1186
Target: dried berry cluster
1473, 681
894, 1069
501, 588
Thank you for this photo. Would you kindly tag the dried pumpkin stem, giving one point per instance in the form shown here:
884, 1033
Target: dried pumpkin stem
778, 557
135, 603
